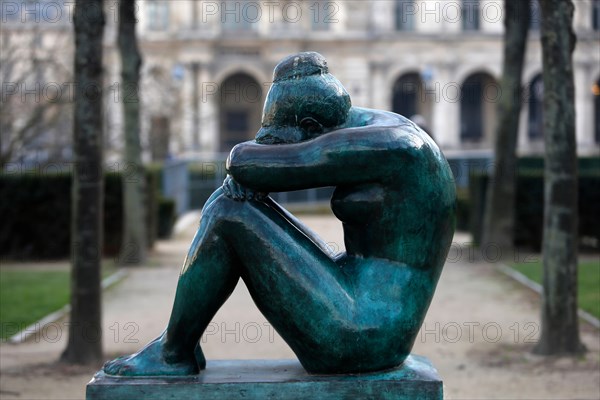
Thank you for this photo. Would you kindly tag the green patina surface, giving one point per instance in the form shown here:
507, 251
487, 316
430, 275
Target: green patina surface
354, 312
275, 379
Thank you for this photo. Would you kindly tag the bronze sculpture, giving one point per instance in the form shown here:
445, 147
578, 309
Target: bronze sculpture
355, 312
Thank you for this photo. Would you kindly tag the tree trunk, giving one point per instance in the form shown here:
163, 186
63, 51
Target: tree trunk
499, 217
134, 247
560, 329
85, 332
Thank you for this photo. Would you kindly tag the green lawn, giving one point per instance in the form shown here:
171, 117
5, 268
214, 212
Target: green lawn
28, 295
588, 279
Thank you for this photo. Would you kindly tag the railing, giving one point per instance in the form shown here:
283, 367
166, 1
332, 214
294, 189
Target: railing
465, 162
190, 180
175, 184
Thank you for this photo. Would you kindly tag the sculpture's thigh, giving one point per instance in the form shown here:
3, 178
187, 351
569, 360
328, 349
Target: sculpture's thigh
335, 320
295, 284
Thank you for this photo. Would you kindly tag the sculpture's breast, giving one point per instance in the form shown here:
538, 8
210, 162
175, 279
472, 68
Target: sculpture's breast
358, 204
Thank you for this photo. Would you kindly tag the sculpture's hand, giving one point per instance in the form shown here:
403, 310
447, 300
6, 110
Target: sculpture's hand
235, 191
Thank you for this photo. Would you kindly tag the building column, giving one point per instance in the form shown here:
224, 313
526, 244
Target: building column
382, 16
584, 106
446, 107
113, 102
196, 130
355, 79
380, 95
209, 111
184, 139
522, 136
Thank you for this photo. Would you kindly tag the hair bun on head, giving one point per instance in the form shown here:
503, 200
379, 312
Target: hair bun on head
302, 88
300, 65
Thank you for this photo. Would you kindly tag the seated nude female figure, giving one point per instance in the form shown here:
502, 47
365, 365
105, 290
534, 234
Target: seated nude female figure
354, 312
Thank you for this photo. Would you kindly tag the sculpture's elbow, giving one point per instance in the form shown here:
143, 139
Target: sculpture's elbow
235, 158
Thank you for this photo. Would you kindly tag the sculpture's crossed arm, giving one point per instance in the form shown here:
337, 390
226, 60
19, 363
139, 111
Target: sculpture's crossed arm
342, 157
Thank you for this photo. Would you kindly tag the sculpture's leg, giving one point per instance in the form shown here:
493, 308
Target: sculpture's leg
299, 288
209, 275
296, 284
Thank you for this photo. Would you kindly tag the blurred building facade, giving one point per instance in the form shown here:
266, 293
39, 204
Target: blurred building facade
208, 65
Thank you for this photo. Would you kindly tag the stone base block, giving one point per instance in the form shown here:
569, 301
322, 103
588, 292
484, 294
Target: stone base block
416, 378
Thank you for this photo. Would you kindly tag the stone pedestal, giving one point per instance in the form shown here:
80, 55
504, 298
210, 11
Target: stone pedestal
275, 379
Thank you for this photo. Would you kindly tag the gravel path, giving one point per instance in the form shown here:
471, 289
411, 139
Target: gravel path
478, 333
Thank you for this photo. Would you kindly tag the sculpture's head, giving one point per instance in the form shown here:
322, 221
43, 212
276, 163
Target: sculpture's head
304, 101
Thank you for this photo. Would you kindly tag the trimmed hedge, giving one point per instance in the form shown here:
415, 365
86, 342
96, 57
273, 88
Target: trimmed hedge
36, 216
462, 210
586, 165
166, 217
35, 210
530, 207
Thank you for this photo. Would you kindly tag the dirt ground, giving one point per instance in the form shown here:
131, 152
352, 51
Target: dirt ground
478, 333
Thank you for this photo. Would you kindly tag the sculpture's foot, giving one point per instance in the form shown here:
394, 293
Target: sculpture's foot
151, 361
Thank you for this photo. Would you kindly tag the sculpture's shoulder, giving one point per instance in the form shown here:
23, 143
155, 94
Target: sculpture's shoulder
398, 132
410, 148
361, 116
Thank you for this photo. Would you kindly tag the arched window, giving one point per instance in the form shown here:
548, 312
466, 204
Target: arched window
478, 99
240, 107
535, 121
410, 99
406, 95
158, 105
